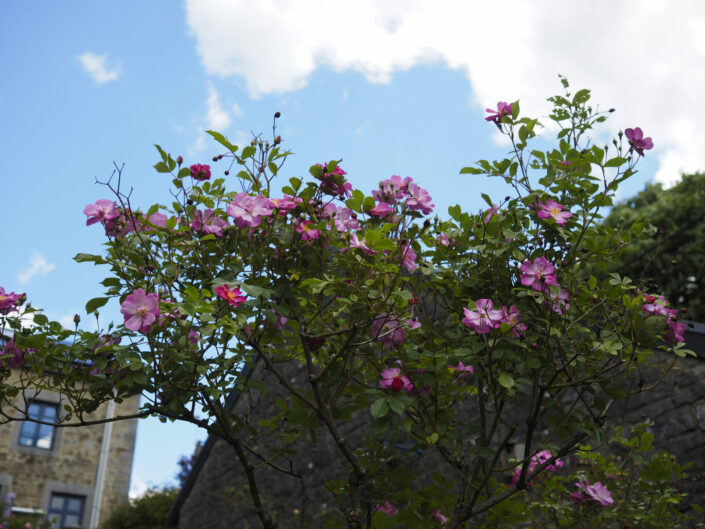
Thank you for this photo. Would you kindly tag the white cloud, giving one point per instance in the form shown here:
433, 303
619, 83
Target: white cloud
646, 58
38, 265
96, 67
236, 110
218, 117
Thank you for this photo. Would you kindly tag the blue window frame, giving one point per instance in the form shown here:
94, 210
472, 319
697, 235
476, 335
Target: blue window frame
66, 510
39, 435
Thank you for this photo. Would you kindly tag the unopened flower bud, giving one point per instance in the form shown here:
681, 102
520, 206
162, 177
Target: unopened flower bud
189, 202
277, 140
534, 345
22, 298
277, 114
611, 110
253, 142
215, 158
507, 197
220, 156
76, 319
227, 173
179, 160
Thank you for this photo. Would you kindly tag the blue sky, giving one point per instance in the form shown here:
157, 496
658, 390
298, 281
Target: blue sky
389, 87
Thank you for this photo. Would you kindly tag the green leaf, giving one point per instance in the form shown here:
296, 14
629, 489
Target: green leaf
581, 96
379, 408
368, 204
40, 319
471, 170
506, 380
487, 199
396, 404
161, 167
454, 212
95, 303
247, 152
161, 153
295, 183
217, 136
615, 162
87, 257
185, 172
515, 110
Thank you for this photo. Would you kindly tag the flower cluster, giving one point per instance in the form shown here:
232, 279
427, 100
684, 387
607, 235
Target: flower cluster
248, 210
333, 181
208, 222
390, 330
392, 378
395, 190
540, 275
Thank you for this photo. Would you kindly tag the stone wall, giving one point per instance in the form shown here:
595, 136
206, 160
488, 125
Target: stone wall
32, 474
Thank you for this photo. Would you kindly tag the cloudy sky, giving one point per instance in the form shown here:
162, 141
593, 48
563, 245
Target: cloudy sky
392, 87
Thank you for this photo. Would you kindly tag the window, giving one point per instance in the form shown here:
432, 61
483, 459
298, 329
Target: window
39, 435
66, 510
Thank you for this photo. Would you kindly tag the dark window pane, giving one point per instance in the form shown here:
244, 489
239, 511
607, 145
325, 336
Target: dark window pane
39, 435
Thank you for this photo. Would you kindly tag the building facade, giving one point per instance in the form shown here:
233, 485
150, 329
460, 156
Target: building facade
74, 476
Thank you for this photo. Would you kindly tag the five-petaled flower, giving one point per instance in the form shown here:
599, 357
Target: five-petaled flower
388, 509
248, 210
140, 311
538, 274
234, 296
538, 459
637, 140
484, 319
503, 109
200, 171
554, 210
392, 378
303, 228
208, 222
8, 300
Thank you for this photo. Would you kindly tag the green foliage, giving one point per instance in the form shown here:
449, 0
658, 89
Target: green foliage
149, 511
669, 260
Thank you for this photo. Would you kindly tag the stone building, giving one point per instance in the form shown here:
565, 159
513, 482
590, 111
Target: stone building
215, 494
75, 475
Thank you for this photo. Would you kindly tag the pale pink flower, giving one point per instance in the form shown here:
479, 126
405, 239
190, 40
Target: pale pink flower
554, 210
438, 515
345, 220
558, 299
234, 296
334, 183
490, 213
388, 509
503, 109
443, 240
381, 209
102, 210
409, 256
390, 330
158, 219
484, 319
538, 459
140, 311
286, 204
511, 316
358, 243
193, 336
200, 171
596, 492
637, 140
392, 378
538, 274
248, 211
419, 199
392, 190
208, 222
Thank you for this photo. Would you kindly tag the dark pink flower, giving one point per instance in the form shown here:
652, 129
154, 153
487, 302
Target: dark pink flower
388, 509
538, 274
193, 336
334, 183
484, 319
558, 298
200, 171
234, 296
102, 210
8, 299
248, 211
462, 369
637, 140
286, 204
140, 311
503, 109
209, 222
554, 210
392, 378
11, 355
538, 459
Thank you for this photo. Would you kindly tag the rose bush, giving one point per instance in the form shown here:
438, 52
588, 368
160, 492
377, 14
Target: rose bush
464, 336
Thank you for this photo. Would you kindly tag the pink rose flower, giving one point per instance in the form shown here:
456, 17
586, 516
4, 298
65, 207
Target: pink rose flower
409, 256
554, 210
484, 319
388, 509
101, 211
140, 311
439, 516
208, 222
538, 274
200, 171
503, 109
248, 211
538, 459
193, 336
392, 378
419, 199
234, 296
464, 370
511, 316
355, 242
637, 140
490, 213
392, 190
8, 300
381, 209
595, 492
